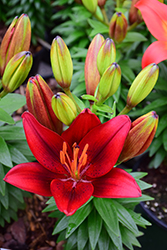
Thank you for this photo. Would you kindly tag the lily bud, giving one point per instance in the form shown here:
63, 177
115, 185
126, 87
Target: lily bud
134, 14
109, 82
101, 3
38, 97
16, 71
118, 27
106, 55
142, 85
64, 108
17, 38
92, 76
140, 136
61, 63
90, 5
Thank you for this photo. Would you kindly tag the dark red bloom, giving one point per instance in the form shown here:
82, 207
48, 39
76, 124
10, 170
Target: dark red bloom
78, 164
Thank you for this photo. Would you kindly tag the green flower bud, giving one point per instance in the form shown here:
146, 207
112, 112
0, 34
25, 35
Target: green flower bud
16, 71
106, 55
142, 85
90, 5
118, 27
109, 82
92, 76
61, 63
140, 136
38, 98
17, 38
64, 108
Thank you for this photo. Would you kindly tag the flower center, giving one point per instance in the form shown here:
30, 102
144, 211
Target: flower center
74, 166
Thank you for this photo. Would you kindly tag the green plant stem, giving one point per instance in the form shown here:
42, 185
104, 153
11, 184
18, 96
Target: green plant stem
68, 92
105, 16
131, 27
117, 3
3, 93
125, 110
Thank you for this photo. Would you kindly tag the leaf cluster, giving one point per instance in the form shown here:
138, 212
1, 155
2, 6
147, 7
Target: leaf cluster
14, 150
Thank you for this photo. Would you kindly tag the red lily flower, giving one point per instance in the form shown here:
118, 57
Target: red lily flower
76, 165
155, 17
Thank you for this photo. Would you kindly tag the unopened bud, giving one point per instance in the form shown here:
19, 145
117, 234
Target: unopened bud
106, 55
109, 82
140, 136
64, 108
61, 63
90, 5
17, 38
16, 71
38, 97
118, 27
92, 76
142, 85
134, 14
101, 3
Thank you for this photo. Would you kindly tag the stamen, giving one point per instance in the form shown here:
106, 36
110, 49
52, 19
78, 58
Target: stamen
62, 157
83, 152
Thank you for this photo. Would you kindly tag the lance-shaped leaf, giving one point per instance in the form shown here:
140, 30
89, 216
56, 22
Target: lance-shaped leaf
17, 38
38, 97
61, 62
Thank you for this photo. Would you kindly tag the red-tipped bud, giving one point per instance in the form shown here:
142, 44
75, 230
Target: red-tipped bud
61, 62
92, 76
140, 136
38, 97
101, 3
106, 55
16, 39
134, 14
118, 27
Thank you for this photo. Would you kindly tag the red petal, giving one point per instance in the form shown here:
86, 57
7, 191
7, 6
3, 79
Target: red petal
83, 123
70, 195
105, 145
154, 15
155, 53
116, 184
44, 143
31, 177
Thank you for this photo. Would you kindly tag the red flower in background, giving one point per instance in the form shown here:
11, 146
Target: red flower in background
76, 165
154, 14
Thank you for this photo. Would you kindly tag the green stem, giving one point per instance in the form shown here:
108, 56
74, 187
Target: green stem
131, 27
117, 3
105, 15
68, 92
3, 93
125, 110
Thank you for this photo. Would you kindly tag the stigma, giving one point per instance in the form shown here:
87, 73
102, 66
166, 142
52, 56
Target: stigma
74, 165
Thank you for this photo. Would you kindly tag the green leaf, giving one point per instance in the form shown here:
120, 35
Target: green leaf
155, 145
89, 97
161, 125
61, 225
134, 37
98, 27
126, 71
128, 238
5, 198
108, 212
12, 102
164, 138
116, 241
159, 157
143, 185
104, 240
77, 218
135, 200
5, 157
12, 133
82, 236
2, 182
125, 218
16, 192
16, 155
138, 219
71, 241
103, 108
5, 117
138, 175
94, 227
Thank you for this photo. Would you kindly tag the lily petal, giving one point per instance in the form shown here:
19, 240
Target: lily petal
44, 143
31, 177
155, 53
105, 145
154, 15
83, 123
70, 195
116, 184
